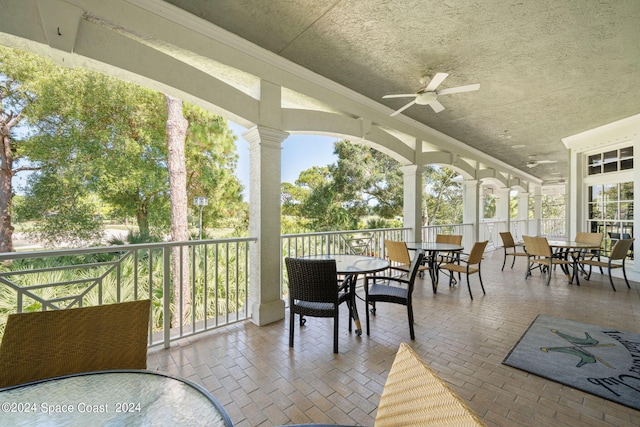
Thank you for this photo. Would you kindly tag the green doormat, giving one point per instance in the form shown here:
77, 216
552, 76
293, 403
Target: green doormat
601, 361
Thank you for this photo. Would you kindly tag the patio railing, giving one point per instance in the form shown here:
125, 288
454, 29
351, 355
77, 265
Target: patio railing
214, 278
429, 232
553, 227
370, 241
213, 275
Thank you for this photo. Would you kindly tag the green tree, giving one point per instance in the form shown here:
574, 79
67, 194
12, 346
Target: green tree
323, 204
108, 137
368, 180
108, 134
22, 76
442, 200
211, 163
362, 182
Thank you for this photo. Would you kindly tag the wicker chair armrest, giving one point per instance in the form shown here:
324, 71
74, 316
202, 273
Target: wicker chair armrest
345, 283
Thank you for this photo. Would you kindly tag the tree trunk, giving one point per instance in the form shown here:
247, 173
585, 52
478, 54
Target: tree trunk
142, 219
6, 196
176, 163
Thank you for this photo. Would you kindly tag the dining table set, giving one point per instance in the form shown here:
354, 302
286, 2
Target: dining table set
354, 267
572, 251
577, 257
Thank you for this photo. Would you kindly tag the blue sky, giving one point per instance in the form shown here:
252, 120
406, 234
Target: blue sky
299, 152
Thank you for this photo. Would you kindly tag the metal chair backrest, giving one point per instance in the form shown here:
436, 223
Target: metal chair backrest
476, 252
397, 252
313, 280
620, 249
507, 240
453, 239
537, 246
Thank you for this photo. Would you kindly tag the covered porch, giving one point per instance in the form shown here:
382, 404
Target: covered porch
464, 341
187, 53
247, 364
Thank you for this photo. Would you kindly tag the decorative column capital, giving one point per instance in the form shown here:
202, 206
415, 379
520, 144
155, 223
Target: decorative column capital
264, 136
412, 169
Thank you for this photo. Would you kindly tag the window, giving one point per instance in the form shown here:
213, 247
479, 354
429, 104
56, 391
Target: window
611, 161
610, 208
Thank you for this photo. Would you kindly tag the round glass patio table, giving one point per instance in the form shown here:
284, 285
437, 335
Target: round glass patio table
114, 398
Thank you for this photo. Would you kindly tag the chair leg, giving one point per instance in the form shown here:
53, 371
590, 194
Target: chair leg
410, 313
601, 272
505, 260
292, 322
549, 274
624, 273
350, 307
335, 331
611, 280
469, 286
480, 277
366, 310
513, 262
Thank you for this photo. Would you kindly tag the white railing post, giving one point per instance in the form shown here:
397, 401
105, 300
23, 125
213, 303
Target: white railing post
166, 301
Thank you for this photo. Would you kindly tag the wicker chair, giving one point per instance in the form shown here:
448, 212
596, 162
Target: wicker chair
447, 257
510, 248
465, 266
399, 258
539, 252
618, 253
47, 344
395, 290
454, 239
414, 395
594, 254
313, 291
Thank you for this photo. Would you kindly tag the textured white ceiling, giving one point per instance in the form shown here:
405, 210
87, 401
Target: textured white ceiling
547, 69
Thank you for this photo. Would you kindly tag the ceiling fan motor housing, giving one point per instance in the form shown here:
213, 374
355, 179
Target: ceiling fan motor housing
425, 98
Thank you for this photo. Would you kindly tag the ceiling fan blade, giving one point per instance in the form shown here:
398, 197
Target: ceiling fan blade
400, 95
546, 161
458, 89
437, 106
436, 81
395, 113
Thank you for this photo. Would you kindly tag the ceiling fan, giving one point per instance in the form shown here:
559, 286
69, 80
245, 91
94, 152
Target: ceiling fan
534, 163
428, 95
557, 181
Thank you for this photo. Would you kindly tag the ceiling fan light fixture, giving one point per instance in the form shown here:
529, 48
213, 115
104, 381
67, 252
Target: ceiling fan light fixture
426, 98
428, 95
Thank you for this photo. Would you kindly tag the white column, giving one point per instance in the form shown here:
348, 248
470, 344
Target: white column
523, 215
413, 185
471, 211
265, 300
537, 211
503, 210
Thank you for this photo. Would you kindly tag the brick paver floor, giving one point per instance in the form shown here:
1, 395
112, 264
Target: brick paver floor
262, 382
